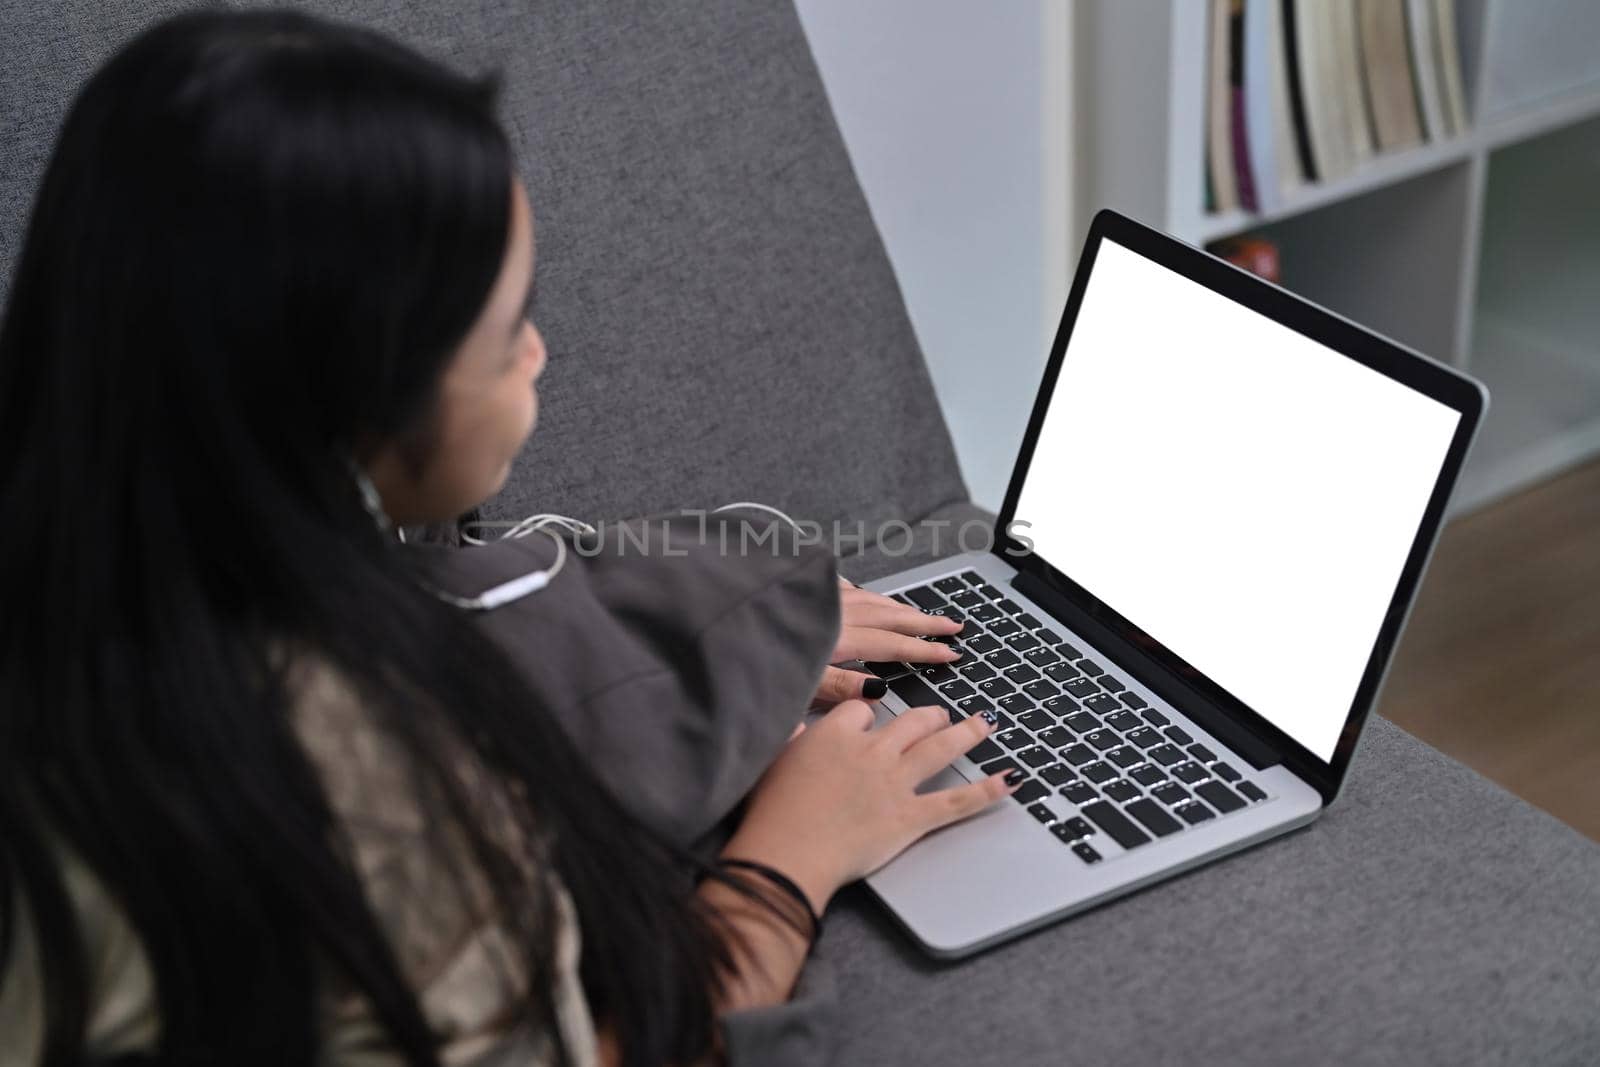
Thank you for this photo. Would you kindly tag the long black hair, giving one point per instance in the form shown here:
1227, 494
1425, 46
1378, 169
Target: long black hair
258, 241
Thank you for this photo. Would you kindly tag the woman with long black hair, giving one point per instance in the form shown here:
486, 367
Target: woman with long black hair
264, 797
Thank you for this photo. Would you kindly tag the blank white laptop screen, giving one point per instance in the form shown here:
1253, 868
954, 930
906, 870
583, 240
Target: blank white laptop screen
1243, 494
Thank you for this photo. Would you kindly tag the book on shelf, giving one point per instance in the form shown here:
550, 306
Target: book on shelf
1244, 174
1386, 59
1423, 40
1302, 91
1448, 54
1219, 113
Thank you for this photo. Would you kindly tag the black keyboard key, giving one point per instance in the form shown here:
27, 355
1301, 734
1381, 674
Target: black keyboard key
1194, 813
1064, 831
1017, 704
984, 613
995, 688
982, 644
1057, 737
998, 766
1042, 813
1079, 793
1069, 651
1003, 627
1029, 791
1081, 687
1061, 705
987, 590
1009, 606
1123, 721
925, 598
1040, 690
1082, 722
1120, 790
1177, 735
1149, 774
1170, 793
949, 613
1036, 756
1225, 771
1133, 700
1219, 796
1056, 773
956, 690
1028, 622
938, 674
950, 585
1014, 739
1048, 636
956, 715
889, 670
1125, 757
1115, 824
1085, 852
1022, 641
901, 597
975, 705
914, 691
972, 577
1036, 720
1062, 672
1102, 704
1251, 790
1154, 817
1099, 773
1078, 755
1155, 718
1190, 773
1102, 739
1091, 668
1166, 755
1145, 737
1021, 674
1202, 754
976, 672
966, 599
1110, 684
984, 751
1002, 659
1041, 657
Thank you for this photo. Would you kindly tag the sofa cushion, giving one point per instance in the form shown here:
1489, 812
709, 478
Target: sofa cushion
722, 319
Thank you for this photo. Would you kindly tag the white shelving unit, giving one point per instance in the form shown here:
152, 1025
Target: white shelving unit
1482, 250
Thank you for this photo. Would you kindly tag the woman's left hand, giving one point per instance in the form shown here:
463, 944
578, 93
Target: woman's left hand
876, 628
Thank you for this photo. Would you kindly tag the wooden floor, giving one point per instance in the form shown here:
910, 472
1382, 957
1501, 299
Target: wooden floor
1500, 666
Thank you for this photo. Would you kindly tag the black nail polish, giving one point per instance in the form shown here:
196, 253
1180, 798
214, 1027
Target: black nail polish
989, 717
874, 688
1014, 776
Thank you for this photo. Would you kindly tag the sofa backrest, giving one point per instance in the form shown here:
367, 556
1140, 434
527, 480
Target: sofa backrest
722, 319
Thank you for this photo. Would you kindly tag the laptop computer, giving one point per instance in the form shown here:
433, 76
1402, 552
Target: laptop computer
1215, 528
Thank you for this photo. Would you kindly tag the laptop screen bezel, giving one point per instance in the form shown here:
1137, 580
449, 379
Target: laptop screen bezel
1387, 357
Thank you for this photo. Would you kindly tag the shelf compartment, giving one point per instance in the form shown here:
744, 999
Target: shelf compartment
1536, 327
1390, 259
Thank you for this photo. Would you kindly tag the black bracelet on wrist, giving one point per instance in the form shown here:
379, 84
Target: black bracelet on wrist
785, 883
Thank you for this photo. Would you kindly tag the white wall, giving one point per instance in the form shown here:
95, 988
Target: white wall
955, 115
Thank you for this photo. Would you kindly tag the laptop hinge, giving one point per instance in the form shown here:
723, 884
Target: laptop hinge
1172, 689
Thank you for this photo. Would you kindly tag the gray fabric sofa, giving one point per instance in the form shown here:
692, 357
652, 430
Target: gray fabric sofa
724, 325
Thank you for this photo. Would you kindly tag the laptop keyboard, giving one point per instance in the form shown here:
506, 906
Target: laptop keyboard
1069, 723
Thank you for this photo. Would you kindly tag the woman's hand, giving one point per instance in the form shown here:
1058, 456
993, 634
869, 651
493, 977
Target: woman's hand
876, 628
840, 800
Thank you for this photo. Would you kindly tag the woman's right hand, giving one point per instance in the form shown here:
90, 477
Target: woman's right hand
840, 800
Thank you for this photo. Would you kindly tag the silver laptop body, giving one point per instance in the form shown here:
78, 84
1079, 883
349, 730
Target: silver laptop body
1141, 764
